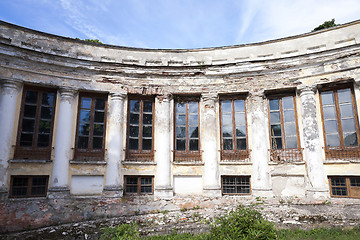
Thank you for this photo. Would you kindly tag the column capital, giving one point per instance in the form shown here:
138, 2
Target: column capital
118, 95
11, 84
306, 89
257, 94
166, 97
210, 99
67, 94
357, 83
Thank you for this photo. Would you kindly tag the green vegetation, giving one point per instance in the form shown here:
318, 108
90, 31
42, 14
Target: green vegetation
90, 40
326, 24
242, 223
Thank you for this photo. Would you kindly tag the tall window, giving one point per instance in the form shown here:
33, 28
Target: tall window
91, 127
233, 129
187, 130
140, 130
36, 124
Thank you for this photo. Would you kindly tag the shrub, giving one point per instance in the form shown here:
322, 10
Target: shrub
122, 232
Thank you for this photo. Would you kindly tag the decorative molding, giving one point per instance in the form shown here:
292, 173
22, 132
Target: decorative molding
306, 89
210, 99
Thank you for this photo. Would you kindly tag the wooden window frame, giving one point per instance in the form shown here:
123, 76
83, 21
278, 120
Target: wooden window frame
138, 185
140, 155
187, 155
347, 151
90, 154
235, 185
235, 153
29, 186
35, 152
352, 191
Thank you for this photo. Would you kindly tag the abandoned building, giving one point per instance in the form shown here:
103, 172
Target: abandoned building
277, 118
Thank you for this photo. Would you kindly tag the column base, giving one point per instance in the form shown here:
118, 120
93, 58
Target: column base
318, 193
4, 194
212, 192
262, 192
59, 192
164, 192
113, 191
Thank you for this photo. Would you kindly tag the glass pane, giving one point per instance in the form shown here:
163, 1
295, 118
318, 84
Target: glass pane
194, 144
26, 139
133, 143
228, 180
329, 112
31, 97
148, 106
327, 98
348, 125
84, 129
147, 131
274, 104
20, 181
147, 144
276, 143
84, 115
193, 132
134, 118
355, 182
227, 131
290, 129
97, 142
240, 118
39, 181
100, 103
19, 191
98, 129
146, 181
180, 132
46, 112
43, 140
242, 181
131, 189
193, 120
29, 111
85, 102
338, 181
350, 139
240, 131
131, 180
193, 107
241, 143
229, 189
289, 116
48, 99
227, 144
275, 130
239, 105
344, 95
134, 105
291, 142
180, 120
147, 118
346, 110
99, 117
28, 125
37, 191
288, 103
274, 117
331, 126
180, 107
332, 140
226, 119
226, 106
146, 189
44, 126
180, 144
83, 142
339, 191
134, 131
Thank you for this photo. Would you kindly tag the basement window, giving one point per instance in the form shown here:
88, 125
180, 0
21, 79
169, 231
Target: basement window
28, 186
235, 185
139, 184
343, 186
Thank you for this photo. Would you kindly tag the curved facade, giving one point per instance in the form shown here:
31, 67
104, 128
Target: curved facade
278, 118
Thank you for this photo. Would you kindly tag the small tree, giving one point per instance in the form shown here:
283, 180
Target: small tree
326, 24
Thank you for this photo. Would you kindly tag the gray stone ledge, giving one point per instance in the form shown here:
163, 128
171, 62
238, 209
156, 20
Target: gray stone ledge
29, 161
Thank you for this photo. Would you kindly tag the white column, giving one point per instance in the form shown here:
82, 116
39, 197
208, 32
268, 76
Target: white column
60, 175
8, 98
260, 179
163, 187
312, 147
211, 179
113, 185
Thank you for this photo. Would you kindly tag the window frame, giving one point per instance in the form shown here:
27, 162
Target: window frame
241, 153
35, 152
138, 185
235, 185
349, 189
29, 186
142, 155
335, 89
90, 154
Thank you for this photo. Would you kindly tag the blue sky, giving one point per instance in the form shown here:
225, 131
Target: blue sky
177, 23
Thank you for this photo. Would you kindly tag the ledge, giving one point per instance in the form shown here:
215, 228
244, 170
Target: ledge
188, 163
286, 163
336, 161
29, 161
138, 163
236, 163
89, 163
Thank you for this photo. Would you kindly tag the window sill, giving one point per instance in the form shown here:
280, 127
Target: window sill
138, 163
188, 163
236, 163
287, 163
26, 198
336, 161
29, 161
88, 162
